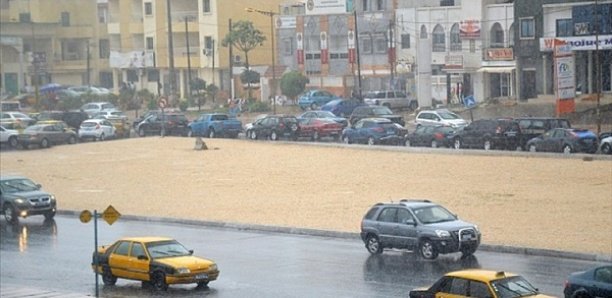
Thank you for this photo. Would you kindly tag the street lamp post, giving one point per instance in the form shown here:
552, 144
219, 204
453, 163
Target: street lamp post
271, 14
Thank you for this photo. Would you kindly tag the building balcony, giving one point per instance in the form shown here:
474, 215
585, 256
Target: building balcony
113, 28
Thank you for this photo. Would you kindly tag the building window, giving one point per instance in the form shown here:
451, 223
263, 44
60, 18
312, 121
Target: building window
149, 41
438, 39
381, 45
288, 46
472, 46
65, 16
148, 8
365, 5
511, 36
565, 27
208, 42
25, 17
455, 38
380, 5
102, 14
206, 6
366, 44
423, 32
405, 41
497, 36
527, 28
104, 48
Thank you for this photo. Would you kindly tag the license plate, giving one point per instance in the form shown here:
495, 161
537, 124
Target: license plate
466, 237
201, 276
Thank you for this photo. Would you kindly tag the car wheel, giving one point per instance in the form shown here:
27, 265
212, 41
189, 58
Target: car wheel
13, 142
158, 281
606, 149
371, 141
580, 293
141, 132
567, 149
273, 136
107, 276
72, 140
407, 143
532, 148
428, 250
316, 136
190, 133
49, 215
10, 214
434, 144
457, 143
487, 144
373, 245
346, 140
467, 251
44, 143
211, 133
313, 106
253, 135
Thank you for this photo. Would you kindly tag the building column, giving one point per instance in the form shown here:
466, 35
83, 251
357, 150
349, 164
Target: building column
589, 73
116, 83
544, 81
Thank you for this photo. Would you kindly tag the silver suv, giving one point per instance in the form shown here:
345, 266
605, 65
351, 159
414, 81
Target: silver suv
417, 225
391, 99
21, 197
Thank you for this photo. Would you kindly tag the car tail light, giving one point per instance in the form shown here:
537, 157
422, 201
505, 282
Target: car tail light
438, 136
574, 135
498, 130
97, 126
378, 129
566, 284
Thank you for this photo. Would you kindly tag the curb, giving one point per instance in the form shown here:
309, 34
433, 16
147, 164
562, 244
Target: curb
349, 235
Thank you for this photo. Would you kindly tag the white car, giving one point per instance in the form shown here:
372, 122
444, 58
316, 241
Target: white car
440, 117
16, 119
249, 126
97, 129
605, 146
8, 136
95, 107
110, 114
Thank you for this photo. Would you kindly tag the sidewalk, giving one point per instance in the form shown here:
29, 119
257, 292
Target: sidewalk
14, 291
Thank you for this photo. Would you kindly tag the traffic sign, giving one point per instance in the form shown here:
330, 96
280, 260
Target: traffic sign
85, 216
110, 215
162, 102
469, 101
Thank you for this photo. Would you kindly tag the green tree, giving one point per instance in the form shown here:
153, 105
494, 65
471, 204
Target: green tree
211, 91
293, 84
199, 85
245, 37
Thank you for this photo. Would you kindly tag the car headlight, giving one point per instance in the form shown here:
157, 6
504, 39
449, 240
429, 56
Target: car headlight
183, 271
476, 228
52, 197
19, 201
442, 233
213, 267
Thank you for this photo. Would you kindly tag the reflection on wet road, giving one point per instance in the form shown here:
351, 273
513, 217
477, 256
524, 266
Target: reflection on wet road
56, 255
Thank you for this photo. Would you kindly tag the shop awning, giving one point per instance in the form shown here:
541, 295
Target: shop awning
497, 69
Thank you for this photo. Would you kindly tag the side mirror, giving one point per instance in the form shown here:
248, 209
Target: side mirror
410, 222
191, 251
142, 257
38, 186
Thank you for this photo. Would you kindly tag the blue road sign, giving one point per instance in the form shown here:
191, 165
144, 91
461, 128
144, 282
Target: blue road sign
469, 101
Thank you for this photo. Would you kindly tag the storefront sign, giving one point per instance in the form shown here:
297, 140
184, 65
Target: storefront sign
499, 54
577, 43
565, 78
453, 61
134, 59
325, 7
469, 29
285, 22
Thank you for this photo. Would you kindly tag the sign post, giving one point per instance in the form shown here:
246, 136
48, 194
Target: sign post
565, 78
470, 102
110, 215
163, 103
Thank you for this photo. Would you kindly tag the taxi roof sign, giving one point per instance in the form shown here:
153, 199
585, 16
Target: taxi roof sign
110, 215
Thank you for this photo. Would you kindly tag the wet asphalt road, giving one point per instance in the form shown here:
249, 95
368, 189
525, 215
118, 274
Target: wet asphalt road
56, 255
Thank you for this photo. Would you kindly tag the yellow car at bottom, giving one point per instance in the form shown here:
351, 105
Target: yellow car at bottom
479, 283
156, 261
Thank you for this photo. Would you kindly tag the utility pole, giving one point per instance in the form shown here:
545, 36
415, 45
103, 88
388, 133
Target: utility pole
188, 61
231, 65
273, 85
172, 82
88, 75
391, 53
36, 68
213, 67
357, 52
597, 67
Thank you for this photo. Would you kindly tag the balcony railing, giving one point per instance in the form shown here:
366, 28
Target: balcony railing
193, 51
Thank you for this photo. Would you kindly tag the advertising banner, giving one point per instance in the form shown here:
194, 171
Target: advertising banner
324, 51
134, 59
325, 7
577, 43
352, 55
469, 29
300, 47
565, 78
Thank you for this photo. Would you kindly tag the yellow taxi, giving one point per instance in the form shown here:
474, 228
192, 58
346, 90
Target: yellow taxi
156, 261
479, 283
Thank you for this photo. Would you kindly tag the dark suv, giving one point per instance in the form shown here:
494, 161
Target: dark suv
489, 134
417, 225
274, 127
532, 127
21, 197
170, 123
375, 112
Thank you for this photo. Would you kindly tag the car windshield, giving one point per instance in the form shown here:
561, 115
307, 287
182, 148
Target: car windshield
165, 249
382, 111
511, 287
18, 185
433, 214
448, 115
34, 128
325, 114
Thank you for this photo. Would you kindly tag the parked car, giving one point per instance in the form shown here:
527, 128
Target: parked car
566, 140
45, 135
375, 112
594, 282
10, 106
418, 225
122, 127
109, 113
391, 99
532, 127
16, 120
315, 98
373, 131
342, 107
605, 146
144, 116
441, 116
215, 125
96, 129
72, 118
171, 123
489, 134
274, 127
479, 283
8, 136
323, 114
317, 128
249, 126
434, 136
94, 107
22, 197
165, 262
81, 90
66, 94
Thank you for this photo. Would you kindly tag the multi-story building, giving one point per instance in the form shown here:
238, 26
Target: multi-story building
575, 22
45, 41
198, 28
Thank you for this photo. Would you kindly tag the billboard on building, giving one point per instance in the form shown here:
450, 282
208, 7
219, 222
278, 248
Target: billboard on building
469, 29
134, 59
314, 7
285, 22
578, 43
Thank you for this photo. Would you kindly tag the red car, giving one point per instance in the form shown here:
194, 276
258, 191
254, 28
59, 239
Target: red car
317, 128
